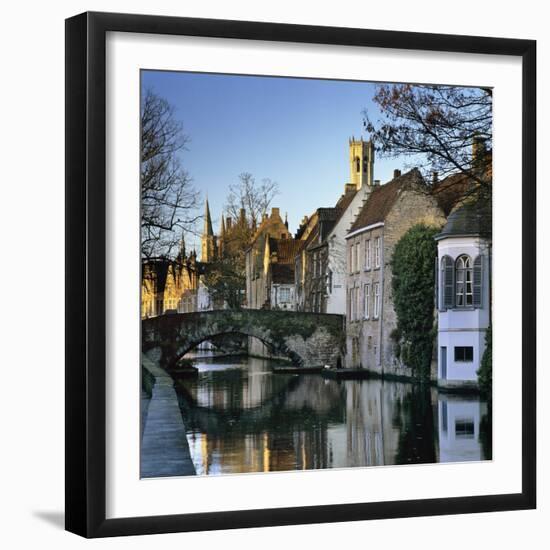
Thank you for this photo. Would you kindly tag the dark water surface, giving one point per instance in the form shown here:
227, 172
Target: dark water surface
242, 417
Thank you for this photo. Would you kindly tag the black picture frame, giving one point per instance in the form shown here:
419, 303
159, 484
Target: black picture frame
86, 276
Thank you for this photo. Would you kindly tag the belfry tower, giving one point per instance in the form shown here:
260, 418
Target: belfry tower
208, 240
361, 161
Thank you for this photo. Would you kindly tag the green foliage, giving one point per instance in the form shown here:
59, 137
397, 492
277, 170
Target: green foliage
414, 420
225, 280
413, 296
485, 372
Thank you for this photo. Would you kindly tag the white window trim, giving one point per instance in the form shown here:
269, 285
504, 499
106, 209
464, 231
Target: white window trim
376, 308
366, 301
363, 229
368, 263
377, 251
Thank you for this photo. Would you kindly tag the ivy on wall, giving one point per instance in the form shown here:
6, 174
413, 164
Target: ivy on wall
413, 288
485, 372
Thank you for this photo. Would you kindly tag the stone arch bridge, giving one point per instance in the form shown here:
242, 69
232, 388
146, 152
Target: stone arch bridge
307, 339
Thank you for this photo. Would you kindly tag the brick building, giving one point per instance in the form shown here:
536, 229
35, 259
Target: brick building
390, 211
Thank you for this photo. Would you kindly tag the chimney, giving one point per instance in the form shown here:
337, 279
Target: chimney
275, 212
435, 178
305, 219
396, 173
376, 182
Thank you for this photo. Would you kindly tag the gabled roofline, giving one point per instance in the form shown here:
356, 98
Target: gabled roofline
440, 237
363, 229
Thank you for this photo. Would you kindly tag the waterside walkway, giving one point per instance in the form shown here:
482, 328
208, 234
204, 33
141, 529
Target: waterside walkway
164, 447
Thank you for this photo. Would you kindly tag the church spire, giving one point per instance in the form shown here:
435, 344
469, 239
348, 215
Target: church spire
181, 254
208, 240
207, 220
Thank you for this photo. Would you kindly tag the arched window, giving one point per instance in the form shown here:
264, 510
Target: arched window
464, 293
357, 164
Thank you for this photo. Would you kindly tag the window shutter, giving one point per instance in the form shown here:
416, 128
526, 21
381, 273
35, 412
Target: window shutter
478, 281
436, 283
448, 282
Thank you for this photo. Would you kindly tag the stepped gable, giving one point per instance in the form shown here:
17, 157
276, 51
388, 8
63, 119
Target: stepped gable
344, 201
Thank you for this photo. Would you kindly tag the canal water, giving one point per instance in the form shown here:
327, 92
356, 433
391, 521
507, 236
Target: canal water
241, 417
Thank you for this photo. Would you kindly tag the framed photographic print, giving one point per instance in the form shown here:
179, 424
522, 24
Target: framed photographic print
289, 272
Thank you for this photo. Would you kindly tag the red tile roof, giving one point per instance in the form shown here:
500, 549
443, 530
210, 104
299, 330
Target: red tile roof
383, 197
282, 273
286, 249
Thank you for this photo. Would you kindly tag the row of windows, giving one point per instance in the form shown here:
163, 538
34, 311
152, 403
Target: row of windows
365, 304
355, 255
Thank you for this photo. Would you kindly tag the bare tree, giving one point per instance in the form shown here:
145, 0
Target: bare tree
246, 203
251, 196
225, 280
436, 126
168, 198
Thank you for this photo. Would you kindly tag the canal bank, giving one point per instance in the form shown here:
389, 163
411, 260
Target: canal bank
164, 446
245, 414
445, 386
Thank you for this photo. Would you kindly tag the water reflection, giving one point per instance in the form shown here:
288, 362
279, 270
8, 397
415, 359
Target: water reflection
459, 429
240, 417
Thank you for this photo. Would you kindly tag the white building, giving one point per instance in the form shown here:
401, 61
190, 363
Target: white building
464, 294
459, 425
361, 176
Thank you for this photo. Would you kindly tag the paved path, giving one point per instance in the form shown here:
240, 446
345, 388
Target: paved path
164, 447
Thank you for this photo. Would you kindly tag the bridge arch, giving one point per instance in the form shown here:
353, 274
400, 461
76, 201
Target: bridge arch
279, 350
309, 339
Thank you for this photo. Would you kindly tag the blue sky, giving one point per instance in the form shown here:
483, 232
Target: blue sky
293, 131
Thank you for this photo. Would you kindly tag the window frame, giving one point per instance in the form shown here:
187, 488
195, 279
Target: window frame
465, 359
368, 258
466, 271
376, 300
377, 253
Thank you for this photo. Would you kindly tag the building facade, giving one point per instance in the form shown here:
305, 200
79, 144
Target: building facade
321, 265
170, 285
268, 286
389, 212
464, 293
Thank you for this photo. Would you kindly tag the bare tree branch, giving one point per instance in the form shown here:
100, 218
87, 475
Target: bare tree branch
168, 198
435, 126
